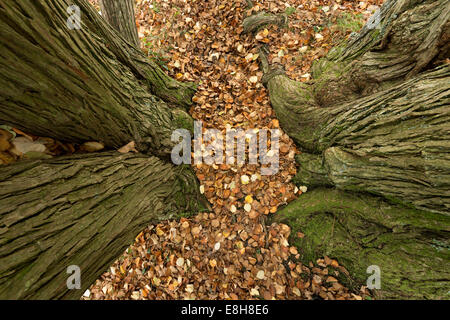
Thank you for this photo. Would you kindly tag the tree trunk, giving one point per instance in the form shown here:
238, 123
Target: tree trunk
374, 120
84, 211
85, 84
120, 14
405, 38
77, 85
411, 247
394, 143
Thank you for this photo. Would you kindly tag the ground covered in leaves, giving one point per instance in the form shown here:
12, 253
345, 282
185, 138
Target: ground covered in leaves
231, 252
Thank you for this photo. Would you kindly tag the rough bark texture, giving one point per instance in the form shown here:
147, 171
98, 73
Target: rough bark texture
120, 14
160, 84
374, 120
83, 210
406, 37
77, 85
394, 143
411, 247
86, 84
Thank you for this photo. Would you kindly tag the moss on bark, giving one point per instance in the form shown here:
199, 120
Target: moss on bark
78, 85
82, 210
399, 42
87, 84
394, 143
255, 22
411, 247
373, 124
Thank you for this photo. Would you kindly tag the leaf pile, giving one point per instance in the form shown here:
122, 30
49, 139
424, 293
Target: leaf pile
231, 252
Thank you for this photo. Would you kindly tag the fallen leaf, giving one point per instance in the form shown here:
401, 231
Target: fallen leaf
92, 146
130, 147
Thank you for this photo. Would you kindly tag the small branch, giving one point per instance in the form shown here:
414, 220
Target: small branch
263, 53
254, 22
269, 70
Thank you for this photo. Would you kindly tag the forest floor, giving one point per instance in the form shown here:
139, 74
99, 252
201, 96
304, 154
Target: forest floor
231, 252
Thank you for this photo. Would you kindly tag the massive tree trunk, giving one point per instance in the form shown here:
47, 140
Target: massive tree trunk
120, 14
83, 84
411, 247
82, 210
77, 85
393, 143
374, 120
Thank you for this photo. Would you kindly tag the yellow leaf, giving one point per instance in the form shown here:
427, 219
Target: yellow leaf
159, 232
245, 179
156, 281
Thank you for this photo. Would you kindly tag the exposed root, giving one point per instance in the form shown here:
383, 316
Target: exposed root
410, 247
254, 22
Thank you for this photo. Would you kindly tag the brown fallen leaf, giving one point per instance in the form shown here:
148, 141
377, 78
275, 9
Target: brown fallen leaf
92, 146
20, 132
4, 144
331, 279
129, 147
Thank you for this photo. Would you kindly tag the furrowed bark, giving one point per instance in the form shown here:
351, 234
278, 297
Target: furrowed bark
410, 247
394, 143
403, 39
120, 14
373, 125
78, 85
144, 68
84, 211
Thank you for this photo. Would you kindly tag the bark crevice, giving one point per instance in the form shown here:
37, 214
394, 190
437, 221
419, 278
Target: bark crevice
121, 15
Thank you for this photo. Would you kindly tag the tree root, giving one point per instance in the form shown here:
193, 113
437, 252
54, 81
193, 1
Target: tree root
255, 22
411, 247
82, 210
